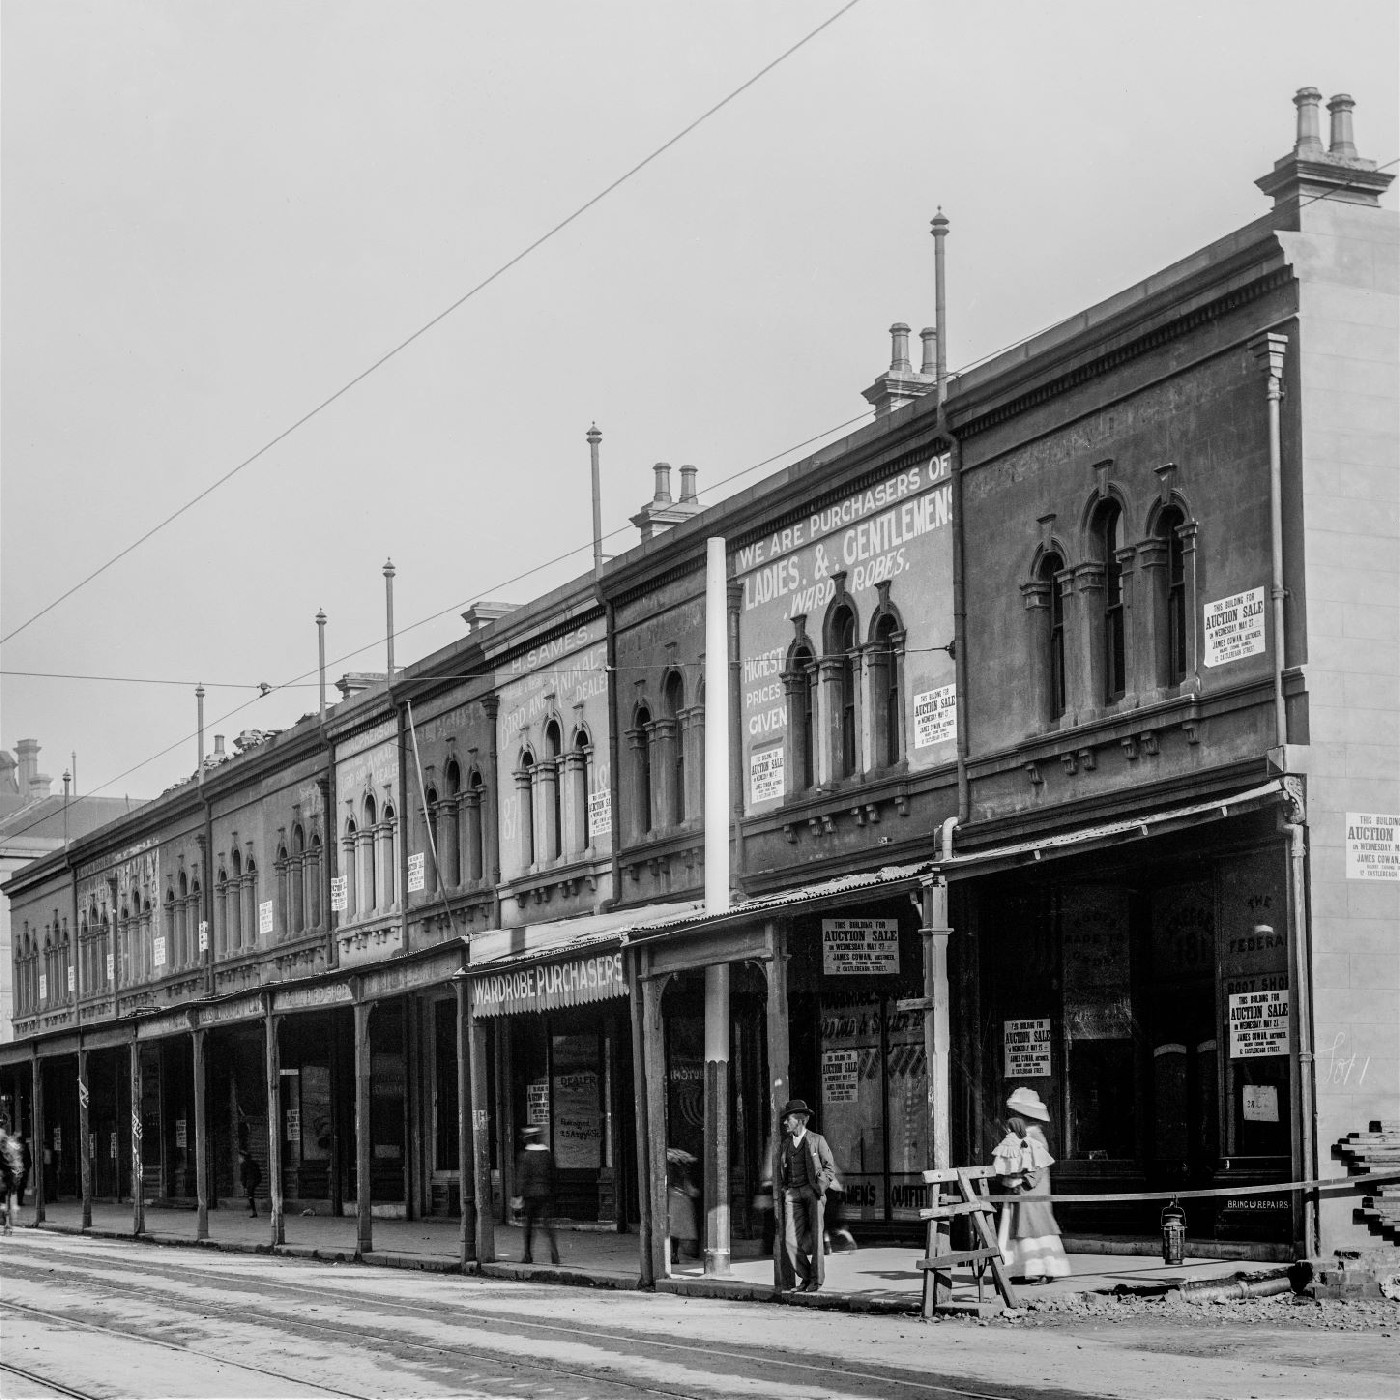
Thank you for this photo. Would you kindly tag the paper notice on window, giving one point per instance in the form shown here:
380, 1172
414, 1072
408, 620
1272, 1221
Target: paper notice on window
1026, 1045
1258, 1024
936, 717
1260, 1103
537, 1103
1234, 628
416, 865
766, 774
840, 1076
1373, 846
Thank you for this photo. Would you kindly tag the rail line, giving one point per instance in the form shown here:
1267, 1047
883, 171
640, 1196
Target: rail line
37, 1379
701, 1354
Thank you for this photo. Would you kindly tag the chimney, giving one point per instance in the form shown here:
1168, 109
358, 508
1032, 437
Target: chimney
480, 613
930, 365
661, 512
9, 783
1342, 147
219, 754
899, 385
1309, 173
353, 682
27, 751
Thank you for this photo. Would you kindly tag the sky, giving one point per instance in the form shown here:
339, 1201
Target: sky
214, 217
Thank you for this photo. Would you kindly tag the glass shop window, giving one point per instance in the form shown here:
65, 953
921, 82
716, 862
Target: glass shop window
445, 1101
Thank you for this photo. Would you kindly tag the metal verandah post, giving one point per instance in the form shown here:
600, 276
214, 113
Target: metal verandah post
138, 1165
84, 1143
36, 1130
201, 1138
273, 1062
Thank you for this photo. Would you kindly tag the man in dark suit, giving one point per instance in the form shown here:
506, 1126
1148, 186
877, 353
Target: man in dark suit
806, 1169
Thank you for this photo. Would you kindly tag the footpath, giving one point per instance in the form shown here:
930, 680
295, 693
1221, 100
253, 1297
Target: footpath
874, 1278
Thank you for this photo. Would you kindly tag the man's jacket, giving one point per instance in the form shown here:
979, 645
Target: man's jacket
821, 1165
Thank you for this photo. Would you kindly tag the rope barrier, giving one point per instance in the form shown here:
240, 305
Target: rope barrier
1330, 1183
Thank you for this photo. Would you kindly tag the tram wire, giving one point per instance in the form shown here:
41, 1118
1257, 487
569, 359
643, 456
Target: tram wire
456, 1312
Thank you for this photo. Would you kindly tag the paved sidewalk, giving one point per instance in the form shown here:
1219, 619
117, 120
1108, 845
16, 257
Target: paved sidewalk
880, 1277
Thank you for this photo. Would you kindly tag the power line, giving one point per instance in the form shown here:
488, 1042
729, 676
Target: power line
427, 326
261, 686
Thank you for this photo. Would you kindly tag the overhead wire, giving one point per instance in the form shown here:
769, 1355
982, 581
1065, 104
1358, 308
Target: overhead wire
428, 325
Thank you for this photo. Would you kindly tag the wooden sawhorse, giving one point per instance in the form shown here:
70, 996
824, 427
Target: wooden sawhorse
966, 1195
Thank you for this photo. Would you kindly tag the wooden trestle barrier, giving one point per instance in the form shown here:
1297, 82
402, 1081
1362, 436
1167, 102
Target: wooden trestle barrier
967, 1196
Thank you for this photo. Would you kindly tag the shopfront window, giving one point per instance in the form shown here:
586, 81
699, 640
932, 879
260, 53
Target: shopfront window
445, 1114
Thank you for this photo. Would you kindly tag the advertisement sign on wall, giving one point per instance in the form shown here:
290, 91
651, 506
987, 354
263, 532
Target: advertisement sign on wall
859, 947
1234, 627
1258, 1023
894, 532
1027, 1048
1373, 846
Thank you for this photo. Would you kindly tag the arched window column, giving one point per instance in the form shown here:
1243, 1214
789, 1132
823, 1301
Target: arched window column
665, 769
450, 822
350, 869
800, 689
882, 692
693, 743
1165, 638
389, 836
473, 816
577, 764
641, 807
1045, 598
250, 906
525, 801
312, 877
549, 798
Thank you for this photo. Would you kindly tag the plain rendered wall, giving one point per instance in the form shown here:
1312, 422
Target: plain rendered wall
1346, 262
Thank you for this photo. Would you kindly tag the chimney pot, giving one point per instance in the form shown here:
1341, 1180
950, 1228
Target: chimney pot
929, 336
218, 746
1342, 144
1309, 140
688, 475
899, 349
663, 482
27, 751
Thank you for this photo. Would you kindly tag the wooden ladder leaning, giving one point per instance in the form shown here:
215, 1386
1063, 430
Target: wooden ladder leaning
965, 1194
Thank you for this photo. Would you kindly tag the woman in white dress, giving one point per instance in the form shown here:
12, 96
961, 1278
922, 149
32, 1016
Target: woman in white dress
1028, 1234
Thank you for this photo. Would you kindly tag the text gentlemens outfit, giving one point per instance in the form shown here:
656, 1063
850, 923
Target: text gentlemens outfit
805, 1169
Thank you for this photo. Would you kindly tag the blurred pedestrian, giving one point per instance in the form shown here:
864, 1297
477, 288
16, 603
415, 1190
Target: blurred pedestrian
534, 1179
11, 1171
806, 1170
250, 1178
1028, 1234
681, 1192
763, 1198
837, 1238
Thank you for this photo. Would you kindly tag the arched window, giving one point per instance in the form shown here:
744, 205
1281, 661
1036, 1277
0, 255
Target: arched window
1108, 540
313, 883
548, 775
476, 830
196, 917
884, 688
282, 866
169, 950
800, 683
350, 868
1053, 640
298, 877
235, 902
1173, 659
583, 751
843, 648
389, 845
673, 707
369, 875
641, 771
453, 812
250, 905
524, 783
183, 954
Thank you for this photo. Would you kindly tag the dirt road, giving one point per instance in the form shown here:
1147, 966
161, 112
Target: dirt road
100, 1318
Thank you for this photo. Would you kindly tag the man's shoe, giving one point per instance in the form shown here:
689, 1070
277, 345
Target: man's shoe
811, 1286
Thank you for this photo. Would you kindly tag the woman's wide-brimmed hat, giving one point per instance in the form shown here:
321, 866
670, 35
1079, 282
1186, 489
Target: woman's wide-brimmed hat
532, 1130
1027, 1103
795, 1106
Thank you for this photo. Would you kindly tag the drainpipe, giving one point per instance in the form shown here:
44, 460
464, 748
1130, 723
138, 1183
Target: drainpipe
959, 643
76, 967
614, 774
1300, 978
206, 854
1268, 353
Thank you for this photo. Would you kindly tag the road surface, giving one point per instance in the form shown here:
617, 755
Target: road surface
89, 1317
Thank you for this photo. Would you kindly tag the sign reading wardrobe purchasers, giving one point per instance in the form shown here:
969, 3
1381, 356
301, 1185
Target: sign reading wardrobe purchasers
547, 986
893, 536
853, 947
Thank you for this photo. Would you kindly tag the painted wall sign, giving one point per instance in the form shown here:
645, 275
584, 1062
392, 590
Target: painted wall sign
1373, 846
1234, 627
1258, 1023
339, 894
265, 917
415, 872
860, 947
894, 532
1026, 1045
546, 986
936, 717
240, 1009
306, 998
766, 775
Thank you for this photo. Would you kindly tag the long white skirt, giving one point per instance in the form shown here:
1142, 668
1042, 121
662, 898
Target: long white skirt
1038, 1256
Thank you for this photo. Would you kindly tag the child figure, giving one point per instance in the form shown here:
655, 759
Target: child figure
1028, 1234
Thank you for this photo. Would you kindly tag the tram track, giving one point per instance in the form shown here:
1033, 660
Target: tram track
882, 1381
56, 1386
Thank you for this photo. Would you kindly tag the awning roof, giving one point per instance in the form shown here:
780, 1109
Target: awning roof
1021, 853
494, 949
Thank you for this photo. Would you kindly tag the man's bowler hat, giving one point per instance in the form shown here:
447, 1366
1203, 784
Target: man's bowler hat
795, 1106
